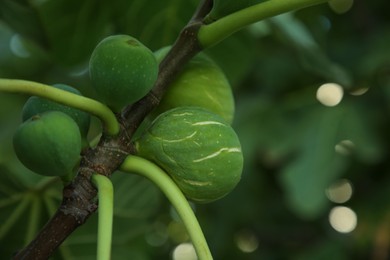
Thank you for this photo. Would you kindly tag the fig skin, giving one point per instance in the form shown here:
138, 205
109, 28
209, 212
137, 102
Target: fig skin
201, 83
122, 70
48, 144
198, 149
37, 105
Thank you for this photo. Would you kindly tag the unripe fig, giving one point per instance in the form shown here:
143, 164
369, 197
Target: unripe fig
48, 144
201, 83
122, 70
198, 149
37, 105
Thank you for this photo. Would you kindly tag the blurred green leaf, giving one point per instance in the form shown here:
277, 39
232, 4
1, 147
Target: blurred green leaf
313, 58
82, 243
155, 23
135, 196
73, 27
240, 41
316, 166
20, 56
21, 17
324, 250
23, 209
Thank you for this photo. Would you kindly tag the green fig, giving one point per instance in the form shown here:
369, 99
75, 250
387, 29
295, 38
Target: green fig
37, 105
122, 70
48, 144
201, 83
198, 149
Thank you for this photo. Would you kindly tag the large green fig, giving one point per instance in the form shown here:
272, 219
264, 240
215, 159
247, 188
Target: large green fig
122, 70
201, 83
37, 105
198, 149
48, 144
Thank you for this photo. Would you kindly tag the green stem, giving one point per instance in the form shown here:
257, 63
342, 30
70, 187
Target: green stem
215, 32
89, 105
106, 211
169, 188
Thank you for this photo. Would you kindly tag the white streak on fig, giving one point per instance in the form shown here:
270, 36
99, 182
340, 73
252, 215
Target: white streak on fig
208, 123
198, 183
181, 139
183, 114
229, 150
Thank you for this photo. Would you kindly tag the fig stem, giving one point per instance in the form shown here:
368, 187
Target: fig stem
105, 217
108, 118
154, 173
211, 34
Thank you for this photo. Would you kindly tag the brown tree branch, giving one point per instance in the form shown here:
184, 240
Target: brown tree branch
203, 10
79, 197
185, 47
181, 52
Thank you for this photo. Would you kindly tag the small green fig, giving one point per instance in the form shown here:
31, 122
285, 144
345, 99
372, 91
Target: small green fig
48, 144
37, 105
201, 83
198, 149
122, 70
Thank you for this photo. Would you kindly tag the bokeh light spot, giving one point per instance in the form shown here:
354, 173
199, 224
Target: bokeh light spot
177, 232
340, 191
247, 241
359, 91
158, 235
345, 147
343, 219
340, 6
184, 251
330, 94
17, 47
325, 22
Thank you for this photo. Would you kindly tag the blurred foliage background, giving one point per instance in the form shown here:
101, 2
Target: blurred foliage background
316, 183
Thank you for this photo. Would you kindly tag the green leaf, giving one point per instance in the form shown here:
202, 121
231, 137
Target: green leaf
127, 237
155, 23
313, 58
23, 19
72, 27
306, 178
134, 196
242, 41
359, 129
23, 211
327, 249
20, 56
